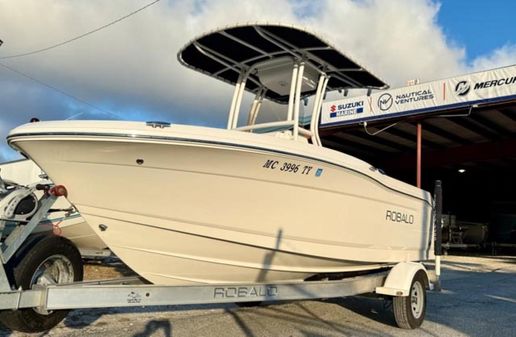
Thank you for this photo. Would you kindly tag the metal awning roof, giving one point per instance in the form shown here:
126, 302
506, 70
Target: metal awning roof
224, 53
484, 137
467, 120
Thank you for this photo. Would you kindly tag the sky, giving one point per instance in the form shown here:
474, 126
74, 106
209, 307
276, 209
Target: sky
130, 71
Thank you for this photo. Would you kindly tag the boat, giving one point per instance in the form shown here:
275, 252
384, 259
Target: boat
67, 222
255, 202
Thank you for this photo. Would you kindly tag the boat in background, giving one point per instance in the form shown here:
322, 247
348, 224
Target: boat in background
67, 223
254, 203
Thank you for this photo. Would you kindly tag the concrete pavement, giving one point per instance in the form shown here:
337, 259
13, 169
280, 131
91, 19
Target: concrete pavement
479, 299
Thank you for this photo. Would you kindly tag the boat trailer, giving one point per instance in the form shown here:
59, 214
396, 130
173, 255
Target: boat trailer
37, 299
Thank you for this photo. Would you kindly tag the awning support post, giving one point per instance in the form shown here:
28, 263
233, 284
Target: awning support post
418, 174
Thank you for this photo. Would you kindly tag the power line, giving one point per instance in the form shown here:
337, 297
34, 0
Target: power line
59, 91
61, 44
80, 36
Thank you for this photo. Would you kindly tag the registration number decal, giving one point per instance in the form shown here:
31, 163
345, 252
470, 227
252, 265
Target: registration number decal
290, 167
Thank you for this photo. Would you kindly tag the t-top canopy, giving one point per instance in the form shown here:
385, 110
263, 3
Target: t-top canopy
226, 53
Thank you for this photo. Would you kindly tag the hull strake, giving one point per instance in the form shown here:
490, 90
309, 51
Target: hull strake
207, 195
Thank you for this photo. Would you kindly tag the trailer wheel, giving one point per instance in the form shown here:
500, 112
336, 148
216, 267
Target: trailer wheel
409, 311
50, 260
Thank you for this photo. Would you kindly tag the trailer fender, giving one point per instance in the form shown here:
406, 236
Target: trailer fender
400, 278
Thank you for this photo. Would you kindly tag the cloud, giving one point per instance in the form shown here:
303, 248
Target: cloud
398, 40
131, 69
503, 56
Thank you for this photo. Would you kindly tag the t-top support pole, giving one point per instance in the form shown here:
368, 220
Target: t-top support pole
237, 99
293, 82
255, 107
297, 99
314, 123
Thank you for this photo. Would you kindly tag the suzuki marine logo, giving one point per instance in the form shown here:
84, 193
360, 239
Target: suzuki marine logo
333, 108
462, 88
385, 102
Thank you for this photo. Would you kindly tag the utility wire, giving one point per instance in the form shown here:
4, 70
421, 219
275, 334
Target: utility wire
377, 131
59, 91
79, 36
61, 44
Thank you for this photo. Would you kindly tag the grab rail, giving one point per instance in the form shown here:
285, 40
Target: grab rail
302, 132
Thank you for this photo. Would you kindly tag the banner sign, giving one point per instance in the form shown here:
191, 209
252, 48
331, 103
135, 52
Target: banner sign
463, 91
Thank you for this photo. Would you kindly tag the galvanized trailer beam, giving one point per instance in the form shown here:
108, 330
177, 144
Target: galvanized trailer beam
84, 295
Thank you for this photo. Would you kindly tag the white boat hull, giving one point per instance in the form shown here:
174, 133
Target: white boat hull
198, 205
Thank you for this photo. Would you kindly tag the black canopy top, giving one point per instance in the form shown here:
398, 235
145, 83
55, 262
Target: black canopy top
224, 53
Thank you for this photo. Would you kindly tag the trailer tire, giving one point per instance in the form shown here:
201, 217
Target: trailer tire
409, 311
51, 259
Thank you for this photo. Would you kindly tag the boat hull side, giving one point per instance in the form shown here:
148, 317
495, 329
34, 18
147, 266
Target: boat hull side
232, 194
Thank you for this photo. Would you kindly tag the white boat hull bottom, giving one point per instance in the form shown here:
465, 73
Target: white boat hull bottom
173, 257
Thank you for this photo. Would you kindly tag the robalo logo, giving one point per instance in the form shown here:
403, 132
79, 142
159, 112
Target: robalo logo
462, 88
385, 101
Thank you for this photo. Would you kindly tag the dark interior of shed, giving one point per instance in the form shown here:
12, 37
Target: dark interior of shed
473, 153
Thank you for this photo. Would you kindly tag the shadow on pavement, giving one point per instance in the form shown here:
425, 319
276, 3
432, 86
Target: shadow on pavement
304, 318
155, 325
376, 309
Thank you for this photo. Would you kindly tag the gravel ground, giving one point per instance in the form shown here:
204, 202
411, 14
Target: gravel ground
479, 299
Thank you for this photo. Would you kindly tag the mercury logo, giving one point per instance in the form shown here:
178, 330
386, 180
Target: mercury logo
462, 88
